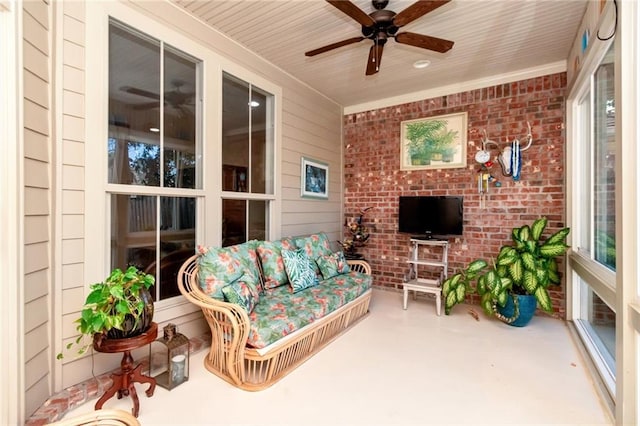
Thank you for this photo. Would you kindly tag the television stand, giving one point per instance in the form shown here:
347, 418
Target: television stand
426, 285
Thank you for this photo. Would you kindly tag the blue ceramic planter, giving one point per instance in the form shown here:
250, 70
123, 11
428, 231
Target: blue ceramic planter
527, 305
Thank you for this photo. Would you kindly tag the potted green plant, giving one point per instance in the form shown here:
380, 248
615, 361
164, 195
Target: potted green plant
118, 307
526, 268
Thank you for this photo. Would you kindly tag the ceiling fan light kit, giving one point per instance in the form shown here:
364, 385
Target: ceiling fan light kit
382, 24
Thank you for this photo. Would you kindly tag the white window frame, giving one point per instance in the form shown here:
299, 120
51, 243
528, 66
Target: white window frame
272, 200
623, 294
209, 212
12, 395
582, 264
98, 190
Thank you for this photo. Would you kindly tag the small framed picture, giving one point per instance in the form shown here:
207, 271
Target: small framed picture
314, 179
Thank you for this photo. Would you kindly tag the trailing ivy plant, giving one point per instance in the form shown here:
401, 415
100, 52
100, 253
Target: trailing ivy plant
118, 301
527, 266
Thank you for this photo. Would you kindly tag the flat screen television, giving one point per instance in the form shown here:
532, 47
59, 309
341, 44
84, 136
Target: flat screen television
430, 216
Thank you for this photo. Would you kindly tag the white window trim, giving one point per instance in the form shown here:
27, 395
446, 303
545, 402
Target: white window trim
209, 230
12, 393
627, 288
274, 224
98, 190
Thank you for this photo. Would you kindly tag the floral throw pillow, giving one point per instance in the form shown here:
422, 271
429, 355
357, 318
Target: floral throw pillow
270, 254
243, 292
314, 245
217, 268
299, 268
332, 264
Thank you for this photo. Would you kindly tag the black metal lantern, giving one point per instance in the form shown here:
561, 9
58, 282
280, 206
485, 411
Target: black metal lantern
169, 358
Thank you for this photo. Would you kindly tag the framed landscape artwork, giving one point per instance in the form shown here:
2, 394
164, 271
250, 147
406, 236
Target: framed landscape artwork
315, 179
434, 142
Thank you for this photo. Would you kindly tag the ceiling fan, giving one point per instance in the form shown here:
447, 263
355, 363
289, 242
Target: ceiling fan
176, 99
382, 24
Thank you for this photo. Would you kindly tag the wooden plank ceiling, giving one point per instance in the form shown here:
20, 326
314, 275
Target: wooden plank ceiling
491, 37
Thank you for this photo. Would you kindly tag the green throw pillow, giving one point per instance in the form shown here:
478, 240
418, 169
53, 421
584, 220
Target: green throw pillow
299, 268
332, 264
242, 292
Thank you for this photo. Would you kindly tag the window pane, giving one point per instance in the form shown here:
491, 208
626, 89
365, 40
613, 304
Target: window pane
600, 321
247, 137
257, 220
234, 222
177, 241
260, 141
604, 163
134, 108
133, 231
235, 130
237, 228
179, 120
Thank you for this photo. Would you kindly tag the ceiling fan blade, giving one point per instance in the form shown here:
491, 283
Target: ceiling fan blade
353, 11
333, 46
416, 10
140, 92
375, 56
147, 105
424, 41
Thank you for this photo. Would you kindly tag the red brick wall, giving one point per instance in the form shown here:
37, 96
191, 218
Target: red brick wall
373, 176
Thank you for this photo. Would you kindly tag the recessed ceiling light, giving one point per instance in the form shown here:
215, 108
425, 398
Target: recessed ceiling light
423, 63
154, 129
254, 104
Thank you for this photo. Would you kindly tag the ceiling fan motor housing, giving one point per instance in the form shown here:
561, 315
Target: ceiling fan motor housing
383, 25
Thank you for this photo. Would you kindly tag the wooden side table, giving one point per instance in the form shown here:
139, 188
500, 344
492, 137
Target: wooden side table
123, 382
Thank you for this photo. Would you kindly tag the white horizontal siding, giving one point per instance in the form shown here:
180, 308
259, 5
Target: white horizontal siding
36, 229
36, 285
36, 50
72, 276
36, 145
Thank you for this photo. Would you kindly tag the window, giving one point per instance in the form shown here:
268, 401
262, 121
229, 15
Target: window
594, 184
247, 160
152, 150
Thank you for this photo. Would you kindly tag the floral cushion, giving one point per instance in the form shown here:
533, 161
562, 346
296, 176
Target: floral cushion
246, 254
315, 245
217, 268
299, 269
244, 292
332, 264
220, 266
280, 313
270, 254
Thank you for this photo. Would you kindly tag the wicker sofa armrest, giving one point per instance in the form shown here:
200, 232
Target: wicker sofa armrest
360, 266
229, 324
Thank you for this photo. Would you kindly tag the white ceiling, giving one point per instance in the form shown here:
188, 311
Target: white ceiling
492, 37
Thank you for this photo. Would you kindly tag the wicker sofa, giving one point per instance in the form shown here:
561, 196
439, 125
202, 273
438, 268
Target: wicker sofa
256, 339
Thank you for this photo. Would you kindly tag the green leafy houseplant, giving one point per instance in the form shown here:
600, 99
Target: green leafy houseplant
120, 306
528, 266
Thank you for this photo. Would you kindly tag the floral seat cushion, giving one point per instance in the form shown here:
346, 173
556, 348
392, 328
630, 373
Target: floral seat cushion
280, 312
